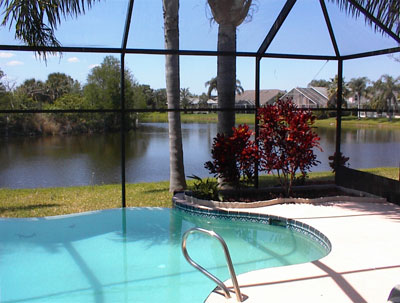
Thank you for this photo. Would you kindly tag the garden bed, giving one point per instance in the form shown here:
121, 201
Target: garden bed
250, 197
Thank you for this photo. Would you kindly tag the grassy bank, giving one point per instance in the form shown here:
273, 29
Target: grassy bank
249, 119
353, 122
42, 202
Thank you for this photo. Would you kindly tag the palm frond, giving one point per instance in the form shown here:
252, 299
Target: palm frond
386, 11
36, 20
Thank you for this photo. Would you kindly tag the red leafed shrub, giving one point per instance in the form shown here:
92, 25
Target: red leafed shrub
234, 156
286, 141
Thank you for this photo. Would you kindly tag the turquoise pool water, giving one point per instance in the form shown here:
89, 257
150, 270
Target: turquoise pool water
134, 255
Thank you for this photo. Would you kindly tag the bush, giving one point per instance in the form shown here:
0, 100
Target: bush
234, 157
287, 141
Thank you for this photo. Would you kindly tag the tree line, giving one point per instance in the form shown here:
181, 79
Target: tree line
381, 95
62, 92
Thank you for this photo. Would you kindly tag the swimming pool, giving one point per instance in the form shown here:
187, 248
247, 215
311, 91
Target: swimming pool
134, 255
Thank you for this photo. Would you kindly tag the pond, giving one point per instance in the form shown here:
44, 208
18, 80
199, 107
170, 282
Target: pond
29, 162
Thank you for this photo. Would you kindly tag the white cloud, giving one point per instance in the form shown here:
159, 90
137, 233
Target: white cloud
93, 66
73, 60
14, 63
6, 55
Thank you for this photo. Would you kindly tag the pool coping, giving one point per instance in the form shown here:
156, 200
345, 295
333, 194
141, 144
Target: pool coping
180, 202
363, 265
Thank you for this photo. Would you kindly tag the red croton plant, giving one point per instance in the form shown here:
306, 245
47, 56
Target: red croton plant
234, 156
286, 142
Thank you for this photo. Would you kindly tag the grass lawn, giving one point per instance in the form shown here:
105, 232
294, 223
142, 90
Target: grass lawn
42, 202
347, 121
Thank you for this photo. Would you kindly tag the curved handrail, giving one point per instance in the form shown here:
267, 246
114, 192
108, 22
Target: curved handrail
204, 271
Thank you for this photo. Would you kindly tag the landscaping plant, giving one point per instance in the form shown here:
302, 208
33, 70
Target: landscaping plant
205, 188
286, 141
285, 146
234, 157
340, 161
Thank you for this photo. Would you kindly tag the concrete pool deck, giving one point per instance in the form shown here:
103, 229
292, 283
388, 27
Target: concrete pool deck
363, 266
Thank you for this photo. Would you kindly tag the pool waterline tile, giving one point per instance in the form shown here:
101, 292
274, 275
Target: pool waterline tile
233, 215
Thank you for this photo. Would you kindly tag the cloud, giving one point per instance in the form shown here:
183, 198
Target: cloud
73, 60
6, 55
14, 63
93, 66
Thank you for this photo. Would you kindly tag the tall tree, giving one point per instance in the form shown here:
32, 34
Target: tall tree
332, 92
31, 94
160, 98
2, 85
229, 14
103, 89
36, 20
6, 97
358, 87
185, 97
319, 83
171, 35
212, 85
58, 84
385, 91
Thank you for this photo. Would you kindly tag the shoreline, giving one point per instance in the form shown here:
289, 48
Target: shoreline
348, 122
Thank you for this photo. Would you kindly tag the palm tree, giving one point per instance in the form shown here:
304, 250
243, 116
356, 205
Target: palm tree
332, 92
385, 90
171, 35
185, 97
212, 85
36, 21
229, 14
358, 86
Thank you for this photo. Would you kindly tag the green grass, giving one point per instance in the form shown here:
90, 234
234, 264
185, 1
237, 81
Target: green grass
350, 121
196, 118
42, 202
347, 121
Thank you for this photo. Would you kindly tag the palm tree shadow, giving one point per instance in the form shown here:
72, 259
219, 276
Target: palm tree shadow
26, 207
158, 190
389, 210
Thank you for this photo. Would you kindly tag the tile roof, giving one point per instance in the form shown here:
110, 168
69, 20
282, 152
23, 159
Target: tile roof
265, 96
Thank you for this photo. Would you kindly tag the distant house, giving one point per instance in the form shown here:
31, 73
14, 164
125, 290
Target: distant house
312, 97
212, 103
194, 102
352, 101
248, 98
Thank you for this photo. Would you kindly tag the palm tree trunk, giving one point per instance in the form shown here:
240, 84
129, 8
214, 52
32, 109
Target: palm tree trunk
171, 33
226, 81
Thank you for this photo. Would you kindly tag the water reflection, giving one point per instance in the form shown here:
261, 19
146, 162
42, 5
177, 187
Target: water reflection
95, 159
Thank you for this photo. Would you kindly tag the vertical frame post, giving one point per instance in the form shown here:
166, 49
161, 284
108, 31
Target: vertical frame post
123, 113
123, 155
339, 115
257, 105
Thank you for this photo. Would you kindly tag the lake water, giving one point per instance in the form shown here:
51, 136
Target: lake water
95, 159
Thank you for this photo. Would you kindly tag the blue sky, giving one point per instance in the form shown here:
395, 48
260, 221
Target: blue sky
304, 32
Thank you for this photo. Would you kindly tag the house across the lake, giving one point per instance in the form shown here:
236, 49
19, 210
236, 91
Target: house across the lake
247, 99
311, 97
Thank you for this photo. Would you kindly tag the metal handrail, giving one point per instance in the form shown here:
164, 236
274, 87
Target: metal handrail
204, 271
